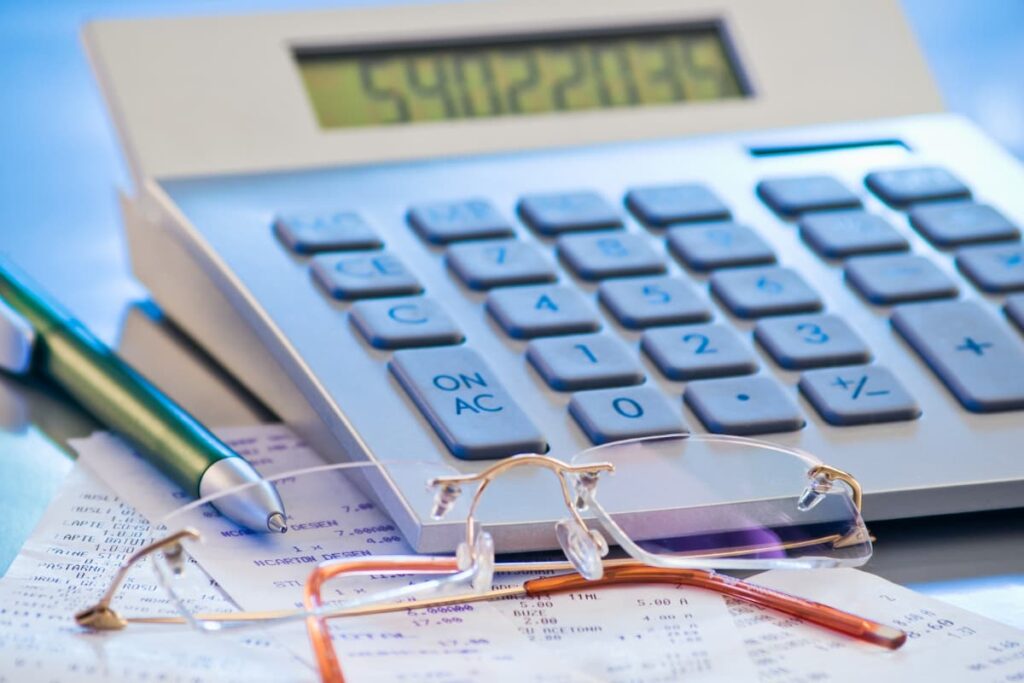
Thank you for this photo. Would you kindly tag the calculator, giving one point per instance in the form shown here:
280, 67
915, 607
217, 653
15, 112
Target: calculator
455, 233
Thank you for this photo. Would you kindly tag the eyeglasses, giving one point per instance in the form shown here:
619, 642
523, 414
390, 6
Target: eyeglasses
708, 502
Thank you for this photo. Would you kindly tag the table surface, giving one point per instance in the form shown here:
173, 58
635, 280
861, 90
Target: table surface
60, 169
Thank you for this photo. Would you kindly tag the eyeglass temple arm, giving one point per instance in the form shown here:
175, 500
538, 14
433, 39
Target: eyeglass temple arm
808, 610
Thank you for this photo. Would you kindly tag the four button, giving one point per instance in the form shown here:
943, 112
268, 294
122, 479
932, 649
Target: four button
541, 310
661, 205
552, 214
709, 246
898, 278
602, 255
444, 222
586, 361
756, 292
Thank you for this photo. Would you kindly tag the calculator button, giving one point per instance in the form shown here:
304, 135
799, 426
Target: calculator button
465, 403
483, 265
662, 205
998, 268
1015, 310
811, 341
718, 245
688, 352
552, 214
541, 310
970, 350
955, 223
470, 219
312, 233
597, 256
898, 278
406, 322
793, 196
743, 405
588, 361
858, 395
645, 302
756, 292
615, 414
838, 234
904, 186
363, 275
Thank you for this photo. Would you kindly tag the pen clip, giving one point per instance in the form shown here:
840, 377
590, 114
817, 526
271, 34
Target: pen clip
17, 338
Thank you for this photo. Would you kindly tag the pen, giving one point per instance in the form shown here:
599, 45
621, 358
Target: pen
55, 345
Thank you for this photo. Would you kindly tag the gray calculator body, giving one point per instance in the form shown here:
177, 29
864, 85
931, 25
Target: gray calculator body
204, 243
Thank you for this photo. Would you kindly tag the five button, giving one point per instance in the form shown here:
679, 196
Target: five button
645, 302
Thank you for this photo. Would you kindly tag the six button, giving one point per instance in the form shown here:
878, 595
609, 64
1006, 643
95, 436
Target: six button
756, 292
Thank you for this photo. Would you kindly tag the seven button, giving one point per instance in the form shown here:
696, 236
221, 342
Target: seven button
483, 265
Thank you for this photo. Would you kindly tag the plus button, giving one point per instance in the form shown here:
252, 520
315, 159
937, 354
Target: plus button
978, 348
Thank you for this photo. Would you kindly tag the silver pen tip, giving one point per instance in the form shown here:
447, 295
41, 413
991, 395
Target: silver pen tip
276, 523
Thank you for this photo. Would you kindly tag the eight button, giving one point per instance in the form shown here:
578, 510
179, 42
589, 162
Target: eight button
718, 245
756, 292
403, 323
541, 310
661, 205
552, 214
630, 413
858, 395
483, 265
602, 255
903, 186
838, 234
363, 275
898, 278
811, 341
955, 223
444, 222
793, 196
311, 233
696, 351
644, 302
743, 405
588, 361
998, 268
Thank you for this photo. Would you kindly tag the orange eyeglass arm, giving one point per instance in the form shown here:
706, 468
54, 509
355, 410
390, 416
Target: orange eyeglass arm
808, 610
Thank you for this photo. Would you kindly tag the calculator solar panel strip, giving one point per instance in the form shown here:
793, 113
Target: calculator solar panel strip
839, 100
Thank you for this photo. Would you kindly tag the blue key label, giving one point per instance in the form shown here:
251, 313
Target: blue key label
978, 348
475, 404
628, 408
702, 343
585, 350
408, 314
812, 334
858, 387
370, 267
544, 302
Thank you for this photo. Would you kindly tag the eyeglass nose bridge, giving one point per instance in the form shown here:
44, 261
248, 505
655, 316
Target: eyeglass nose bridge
449, 488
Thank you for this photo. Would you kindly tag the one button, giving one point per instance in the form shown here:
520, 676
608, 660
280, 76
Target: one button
617, 414
718, 245
696, 351
662, 205
404, 323
552, 214
311, 233
541, 310
970, 350
444, 222
363, 275
588, 361
465, 403
648, 301
483, 265
756, 292
793, 196
898, 278
858, 395
743, 405
955, 223
599, 256
838, 234
997, 268
1015, 309
811, 341
903, 186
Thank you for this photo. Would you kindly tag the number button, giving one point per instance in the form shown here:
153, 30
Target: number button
540, 311
687, 352
838, 234
658, 206
951, 224
898, 278
445, 222
810, 341
312, 233
615, 414
584, 362
483, 265
552, 214
404, 323
645, 302
756, 292
718, 245
363, 275
994, 269
902, 186
599, 256
465, 403
748, 405
858, 395
794, 196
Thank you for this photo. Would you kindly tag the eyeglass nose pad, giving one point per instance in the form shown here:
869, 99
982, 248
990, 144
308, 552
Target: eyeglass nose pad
444, 500
174, 555
16, 341
583, 547
818, 486
481, 559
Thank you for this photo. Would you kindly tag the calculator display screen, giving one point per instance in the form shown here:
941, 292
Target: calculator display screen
513, 76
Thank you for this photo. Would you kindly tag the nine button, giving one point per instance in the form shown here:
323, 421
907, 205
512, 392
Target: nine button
743, 405
898, 278
996, 268
316, 232
794, 196
363, 275
541, 310
903, 186
602, 255
483, 265
586, 361
406, 322
629, 413
951, 224
696, 351
718, 245
858, 395
838, 234
644, 302
661, 205
552, 214
756, 292
444, 222
811, 341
